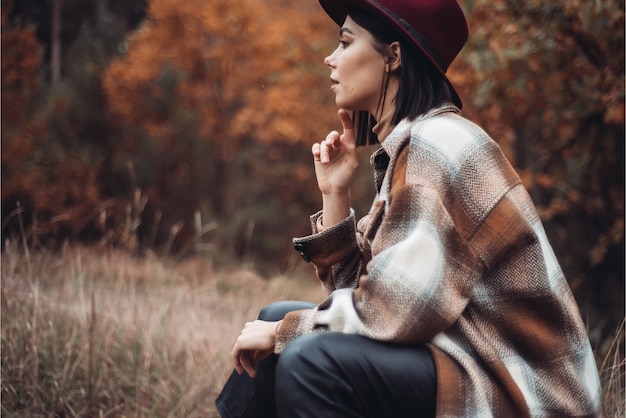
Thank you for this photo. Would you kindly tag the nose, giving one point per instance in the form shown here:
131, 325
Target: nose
329, 60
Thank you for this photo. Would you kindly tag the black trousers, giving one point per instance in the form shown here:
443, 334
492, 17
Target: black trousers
328, 374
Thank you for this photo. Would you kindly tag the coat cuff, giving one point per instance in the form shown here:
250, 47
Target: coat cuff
293, 325
327, 243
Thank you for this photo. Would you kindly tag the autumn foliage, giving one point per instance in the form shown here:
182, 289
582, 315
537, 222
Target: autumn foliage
190, 132
204, 88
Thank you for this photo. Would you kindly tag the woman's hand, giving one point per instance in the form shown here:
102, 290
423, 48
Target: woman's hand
335, 158
335, 166
256, 341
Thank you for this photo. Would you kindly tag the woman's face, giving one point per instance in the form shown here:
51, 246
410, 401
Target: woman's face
357, 69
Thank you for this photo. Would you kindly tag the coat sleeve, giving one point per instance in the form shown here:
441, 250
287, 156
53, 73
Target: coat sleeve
336, 253
416, 285
337, 256
422, 274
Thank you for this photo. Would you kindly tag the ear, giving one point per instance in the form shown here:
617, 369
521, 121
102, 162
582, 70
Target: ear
394, 58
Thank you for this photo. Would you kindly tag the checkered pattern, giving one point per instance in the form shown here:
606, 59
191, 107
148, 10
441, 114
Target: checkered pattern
453, 254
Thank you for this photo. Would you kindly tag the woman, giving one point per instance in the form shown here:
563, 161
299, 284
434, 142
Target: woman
446, 299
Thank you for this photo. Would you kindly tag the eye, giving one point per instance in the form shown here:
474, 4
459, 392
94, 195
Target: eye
343, 44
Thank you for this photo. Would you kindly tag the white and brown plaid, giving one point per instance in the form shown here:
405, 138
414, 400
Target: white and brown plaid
453, 254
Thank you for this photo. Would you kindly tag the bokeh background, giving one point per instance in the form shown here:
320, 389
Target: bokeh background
181, 130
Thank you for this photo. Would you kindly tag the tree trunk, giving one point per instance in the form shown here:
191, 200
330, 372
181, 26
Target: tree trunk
55, 56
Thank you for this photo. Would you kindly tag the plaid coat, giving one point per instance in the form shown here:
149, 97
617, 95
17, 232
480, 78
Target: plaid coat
453, 254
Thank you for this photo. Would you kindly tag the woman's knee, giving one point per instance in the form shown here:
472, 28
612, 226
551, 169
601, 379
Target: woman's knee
310, 353
277, 310
310, 380
344, 371
351, 357
297, 351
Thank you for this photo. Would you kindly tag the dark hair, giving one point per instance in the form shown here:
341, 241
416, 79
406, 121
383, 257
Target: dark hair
422, 86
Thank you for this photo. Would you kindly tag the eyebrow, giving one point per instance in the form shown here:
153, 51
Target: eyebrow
343, 30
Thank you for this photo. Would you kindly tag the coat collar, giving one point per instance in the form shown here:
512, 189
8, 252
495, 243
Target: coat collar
401, 131
396, 139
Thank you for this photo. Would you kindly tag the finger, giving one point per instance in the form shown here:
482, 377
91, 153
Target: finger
247, 363
315, 150
239, 368
332, 140
234, 356
260, 355
348, 127
327, 145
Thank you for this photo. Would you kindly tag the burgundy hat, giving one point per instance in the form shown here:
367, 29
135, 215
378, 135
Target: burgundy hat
436, 27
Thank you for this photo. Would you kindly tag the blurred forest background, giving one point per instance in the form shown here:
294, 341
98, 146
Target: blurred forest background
184, 127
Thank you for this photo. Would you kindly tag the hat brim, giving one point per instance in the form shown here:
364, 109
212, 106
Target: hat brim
338, 10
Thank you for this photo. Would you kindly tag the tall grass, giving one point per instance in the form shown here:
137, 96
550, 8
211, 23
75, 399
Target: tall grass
101, 334
612, 373
90, 333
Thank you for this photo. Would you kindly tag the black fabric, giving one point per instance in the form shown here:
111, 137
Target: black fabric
327, 374
330, 375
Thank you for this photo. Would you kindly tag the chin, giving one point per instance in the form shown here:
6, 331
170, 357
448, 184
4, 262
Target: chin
350, 105
345, 106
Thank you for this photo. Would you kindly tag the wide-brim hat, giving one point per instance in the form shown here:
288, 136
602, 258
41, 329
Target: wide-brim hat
437, 28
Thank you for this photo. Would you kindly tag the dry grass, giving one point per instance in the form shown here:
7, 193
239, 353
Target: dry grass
101, 334
613, 372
